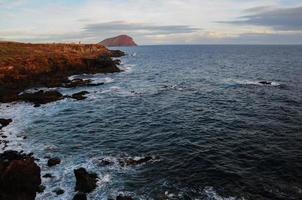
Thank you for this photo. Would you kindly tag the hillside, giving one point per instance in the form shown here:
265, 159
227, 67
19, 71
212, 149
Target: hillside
121, 40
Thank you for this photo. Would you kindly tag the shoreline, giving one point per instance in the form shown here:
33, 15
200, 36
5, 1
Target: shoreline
25, 66
21, 172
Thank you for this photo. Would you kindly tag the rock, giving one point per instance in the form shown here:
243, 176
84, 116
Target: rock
80, 196
76, 83
53, 161
59, 191
5, 122
122, 197
41, 97
85, 182
265, 82
121, 40
41, 188
132, 161
117, 53
47, 175
20, 176
47, 65
80, 95
80, 83
105, 162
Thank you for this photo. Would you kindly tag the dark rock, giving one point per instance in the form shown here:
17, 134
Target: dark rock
53, 161
117, 62
265, 82
117, 53
41, 188
80, 95
131, 161
20, 176
85, 182
80, 196
47, 175
77, 83
122, 197
59, 191
41, 97
105, 162
5, 122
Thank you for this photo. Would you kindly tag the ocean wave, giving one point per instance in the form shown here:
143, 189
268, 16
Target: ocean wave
253, 82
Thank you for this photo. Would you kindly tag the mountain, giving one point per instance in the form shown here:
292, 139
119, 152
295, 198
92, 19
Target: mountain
121, 40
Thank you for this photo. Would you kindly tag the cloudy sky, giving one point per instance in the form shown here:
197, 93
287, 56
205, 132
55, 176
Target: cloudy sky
153, 21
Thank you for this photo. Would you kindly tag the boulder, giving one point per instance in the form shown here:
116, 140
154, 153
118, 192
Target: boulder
132, 161
80, 196
53, 161
41, 97
20, 176
5, 122
85, 182
265, 82
80, 95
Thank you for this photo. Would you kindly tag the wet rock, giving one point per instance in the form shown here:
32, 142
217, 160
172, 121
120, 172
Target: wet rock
47, 175
41, 97
131, 161
58, 191
20, 176
53, 161
41, 188
265, 82
105, 162
80, 95
122, 197
77, 83
80, 196
5, 122
85, 182
117, 53
80, 83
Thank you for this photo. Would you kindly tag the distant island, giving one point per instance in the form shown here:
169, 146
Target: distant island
119, 41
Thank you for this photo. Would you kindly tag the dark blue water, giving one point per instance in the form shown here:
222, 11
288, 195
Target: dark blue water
215, 131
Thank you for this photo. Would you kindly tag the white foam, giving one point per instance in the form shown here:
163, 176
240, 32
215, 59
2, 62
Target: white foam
252, 82
212, 195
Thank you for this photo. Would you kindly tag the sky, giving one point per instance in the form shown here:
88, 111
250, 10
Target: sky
152, 22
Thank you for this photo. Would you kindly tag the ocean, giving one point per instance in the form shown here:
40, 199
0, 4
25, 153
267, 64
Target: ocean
213, 131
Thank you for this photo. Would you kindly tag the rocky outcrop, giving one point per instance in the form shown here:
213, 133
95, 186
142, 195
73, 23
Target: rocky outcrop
5, 122
19, 176
121, 40
24, 66
265, 82
53, 161
131, 161
40, 97
80, 95
85, 182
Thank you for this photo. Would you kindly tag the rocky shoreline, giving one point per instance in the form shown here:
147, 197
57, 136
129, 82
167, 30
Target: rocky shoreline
26, 66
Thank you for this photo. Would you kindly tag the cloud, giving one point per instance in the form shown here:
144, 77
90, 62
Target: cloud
283, 19
117, 27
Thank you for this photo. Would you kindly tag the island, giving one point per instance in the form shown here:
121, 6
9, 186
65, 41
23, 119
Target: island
119, 41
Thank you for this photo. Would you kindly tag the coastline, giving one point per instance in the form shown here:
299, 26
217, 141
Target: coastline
24, 67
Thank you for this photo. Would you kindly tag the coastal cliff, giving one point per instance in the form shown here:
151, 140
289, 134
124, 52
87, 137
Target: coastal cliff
121, 40
48, 65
